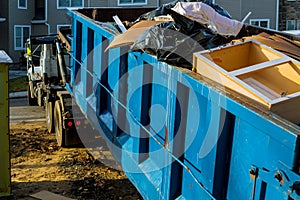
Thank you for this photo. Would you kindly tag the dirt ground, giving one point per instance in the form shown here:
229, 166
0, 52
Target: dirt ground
39, 164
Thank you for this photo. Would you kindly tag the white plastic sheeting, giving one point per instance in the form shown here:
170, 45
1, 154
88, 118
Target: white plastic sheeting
206, 15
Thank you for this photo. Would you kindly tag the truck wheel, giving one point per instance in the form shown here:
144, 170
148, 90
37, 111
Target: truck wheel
59, 130
40, 98
49, 116
31, 101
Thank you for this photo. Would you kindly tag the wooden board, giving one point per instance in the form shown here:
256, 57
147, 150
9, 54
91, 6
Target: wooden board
46, 195
5, 187
272, 79
279, 43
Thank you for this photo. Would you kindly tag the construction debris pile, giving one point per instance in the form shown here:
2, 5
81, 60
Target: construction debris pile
266, 71
174, 31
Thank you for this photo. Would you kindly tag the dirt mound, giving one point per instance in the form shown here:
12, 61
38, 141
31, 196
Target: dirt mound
39, 164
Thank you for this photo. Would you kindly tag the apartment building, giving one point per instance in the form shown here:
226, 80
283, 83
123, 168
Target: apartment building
264, 13
289, 16
21, 18
280, 15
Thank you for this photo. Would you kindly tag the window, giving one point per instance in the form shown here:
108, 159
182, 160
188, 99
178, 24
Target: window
290, 25
298, 24
69, 3
260, 22
132, 2
40, 10
21, 34
62, 25
22, 4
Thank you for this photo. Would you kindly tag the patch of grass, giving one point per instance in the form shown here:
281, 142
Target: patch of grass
18, 84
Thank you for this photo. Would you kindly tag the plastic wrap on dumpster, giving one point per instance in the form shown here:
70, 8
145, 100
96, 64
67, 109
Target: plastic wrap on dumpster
164, 10
174, 42
206, 15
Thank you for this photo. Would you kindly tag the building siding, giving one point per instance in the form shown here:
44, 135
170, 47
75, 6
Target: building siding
59, 16
233, 7
39, 29
290, 10
261, 9
18, 17
99, 3
4, 26
164, 1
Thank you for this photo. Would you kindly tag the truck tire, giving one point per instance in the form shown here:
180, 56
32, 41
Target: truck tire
49, 116
59, 129
31, 101
40, 98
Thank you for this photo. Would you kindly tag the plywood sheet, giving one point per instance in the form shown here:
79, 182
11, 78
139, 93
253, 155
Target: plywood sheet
277, 42
131, 34
46, 195
5, 187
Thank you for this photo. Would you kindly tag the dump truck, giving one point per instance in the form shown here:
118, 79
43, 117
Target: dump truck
176, 132
47, 62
